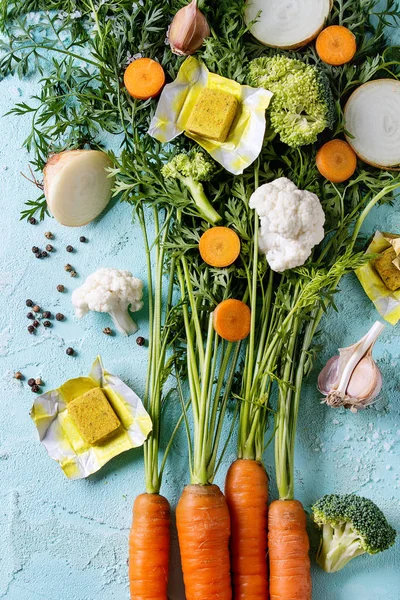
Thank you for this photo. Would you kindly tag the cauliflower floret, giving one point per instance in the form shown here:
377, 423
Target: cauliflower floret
111, 291
292, 223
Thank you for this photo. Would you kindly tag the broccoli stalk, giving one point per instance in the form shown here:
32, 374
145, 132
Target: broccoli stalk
302, 105
191, 170
351, 526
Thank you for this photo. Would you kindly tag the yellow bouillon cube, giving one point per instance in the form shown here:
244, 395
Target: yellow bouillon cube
387, 271
93, 416
212, 115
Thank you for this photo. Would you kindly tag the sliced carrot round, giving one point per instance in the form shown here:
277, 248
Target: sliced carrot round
219, 246
336, 161
232, 319
144, 78
336, 45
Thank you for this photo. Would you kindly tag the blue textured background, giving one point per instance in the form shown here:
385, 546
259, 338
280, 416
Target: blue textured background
63, 540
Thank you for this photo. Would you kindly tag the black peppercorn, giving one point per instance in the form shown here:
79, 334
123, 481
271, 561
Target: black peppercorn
107, 331
38, 255
68, 268
35, 388
30, 315
44, 254
60, 288
60, 317
140, 340
47, 323
29, 303
49, 248
48, 235
35, 249
70, 351
69, 249
47, 314
36, 323
31, 329
31, 382
83, 239
73, 273
32, 221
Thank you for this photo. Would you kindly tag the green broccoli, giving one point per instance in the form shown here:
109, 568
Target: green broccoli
351, 526
190, 170
302, 105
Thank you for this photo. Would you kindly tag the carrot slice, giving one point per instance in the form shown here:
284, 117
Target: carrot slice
144, 78
232, 320
219, 246
336, 161
246, 492
149, 543
336, 45
288, 548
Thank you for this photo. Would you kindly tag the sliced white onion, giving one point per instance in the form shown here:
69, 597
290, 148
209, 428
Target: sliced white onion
77, 186
372, 118
287, 23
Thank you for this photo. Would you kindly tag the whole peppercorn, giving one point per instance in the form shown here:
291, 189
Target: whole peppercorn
36, 308
35, 249
48, 235
46, 323
30, 315
60, 317
35, 388
47, 314
31, 329
29, 303
36, 323
74, 273
69, 249
68, 268
140, 340
44, 254
38, 255
32, 221
83, 239
107, 331
70, 351
18, 375
60, 288
38, 381
49, 248
31, 382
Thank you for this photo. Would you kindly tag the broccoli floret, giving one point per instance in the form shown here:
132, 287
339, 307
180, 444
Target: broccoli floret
191, 169
302, 105
351, 525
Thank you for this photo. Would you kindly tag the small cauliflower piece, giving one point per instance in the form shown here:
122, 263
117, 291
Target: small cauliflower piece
292, 223
111, 291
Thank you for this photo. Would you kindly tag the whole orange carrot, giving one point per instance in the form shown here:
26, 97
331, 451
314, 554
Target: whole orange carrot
288, 547
246, 491
203, 523
149, 543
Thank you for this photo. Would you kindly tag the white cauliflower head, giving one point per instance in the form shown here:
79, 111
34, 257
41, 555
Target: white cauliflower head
292, 223
111, 291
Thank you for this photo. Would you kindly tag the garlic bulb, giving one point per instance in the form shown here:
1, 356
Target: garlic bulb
352, 379
188, 30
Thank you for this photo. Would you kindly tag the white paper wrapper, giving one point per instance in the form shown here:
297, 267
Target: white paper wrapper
178, 98
60, 436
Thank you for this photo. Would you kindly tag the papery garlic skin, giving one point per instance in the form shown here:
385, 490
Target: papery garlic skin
353, 379
188, 30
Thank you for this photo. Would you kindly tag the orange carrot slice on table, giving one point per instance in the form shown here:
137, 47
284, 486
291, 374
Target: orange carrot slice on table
219, 246
149, 543
203, 523
336, 45
232, 319
246, 491
336, 161
288, 547
144, 78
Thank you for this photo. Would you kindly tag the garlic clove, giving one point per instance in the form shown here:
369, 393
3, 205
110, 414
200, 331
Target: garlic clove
328, 376
363, 381
188, 30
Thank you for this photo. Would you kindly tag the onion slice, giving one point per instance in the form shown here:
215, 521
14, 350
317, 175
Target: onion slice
76, 185
286, 24
372, 119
